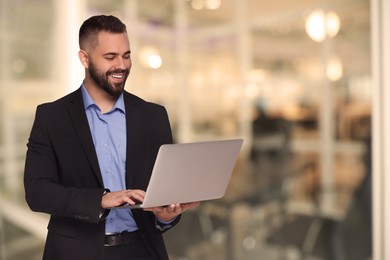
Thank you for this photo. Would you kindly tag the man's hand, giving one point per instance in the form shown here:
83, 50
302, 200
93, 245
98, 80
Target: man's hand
170, 212
117, 198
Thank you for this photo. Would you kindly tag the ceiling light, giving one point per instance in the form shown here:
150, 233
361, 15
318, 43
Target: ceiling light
213, 4
320, 25
332, 24
155, 61
334, 69
150, 58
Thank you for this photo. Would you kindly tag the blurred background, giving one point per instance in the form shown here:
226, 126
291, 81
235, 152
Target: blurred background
293, 78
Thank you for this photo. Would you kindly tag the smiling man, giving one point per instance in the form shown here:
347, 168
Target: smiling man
94, 149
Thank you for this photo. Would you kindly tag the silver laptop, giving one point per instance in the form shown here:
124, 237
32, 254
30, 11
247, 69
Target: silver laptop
190, 172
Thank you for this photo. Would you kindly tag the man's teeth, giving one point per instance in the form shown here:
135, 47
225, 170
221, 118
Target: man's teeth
116, 76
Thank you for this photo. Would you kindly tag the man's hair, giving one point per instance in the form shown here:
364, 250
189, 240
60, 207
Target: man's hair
89, 30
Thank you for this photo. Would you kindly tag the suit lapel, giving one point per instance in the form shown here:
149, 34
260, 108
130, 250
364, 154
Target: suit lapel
80, 123
132, 142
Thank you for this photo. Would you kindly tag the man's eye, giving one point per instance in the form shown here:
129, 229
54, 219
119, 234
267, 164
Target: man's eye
110, 57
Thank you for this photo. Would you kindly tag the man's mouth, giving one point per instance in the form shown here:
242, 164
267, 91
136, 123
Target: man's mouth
118, 75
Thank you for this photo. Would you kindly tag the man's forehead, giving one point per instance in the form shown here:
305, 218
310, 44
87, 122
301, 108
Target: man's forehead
107, 40
106, 37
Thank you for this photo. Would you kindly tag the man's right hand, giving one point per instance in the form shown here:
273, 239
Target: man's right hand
117, 198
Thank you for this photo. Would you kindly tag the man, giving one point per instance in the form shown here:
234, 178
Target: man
94, 149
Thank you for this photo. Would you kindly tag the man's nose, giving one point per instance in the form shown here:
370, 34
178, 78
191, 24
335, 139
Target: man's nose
121, 63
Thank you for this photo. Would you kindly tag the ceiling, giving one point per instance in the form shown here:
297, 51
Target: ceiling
277, 27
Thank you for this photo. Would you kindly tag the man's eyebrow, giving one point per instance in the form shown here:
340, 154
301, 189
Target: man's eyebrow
115, 53
111, 54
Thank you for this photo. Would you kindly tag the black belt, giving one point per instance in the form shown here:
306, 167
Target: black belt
120, 239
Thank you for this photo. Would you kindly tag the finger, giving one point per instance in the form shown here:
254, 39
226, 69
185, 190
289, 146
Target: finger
168, 210
173, 209
187, 206
140, 192
127, 199
136, 195
178, 208
191, 205
130, 197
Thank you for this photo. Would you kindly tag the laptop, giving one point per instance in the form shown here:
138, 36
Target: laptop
190, 172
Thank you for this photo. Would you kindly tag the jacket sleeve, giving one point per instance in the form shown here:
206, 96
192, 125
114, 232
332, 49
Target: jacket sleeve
44, 190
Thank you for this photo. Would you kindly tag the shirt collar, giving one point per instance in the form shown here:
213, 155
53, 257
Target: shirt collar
88, 101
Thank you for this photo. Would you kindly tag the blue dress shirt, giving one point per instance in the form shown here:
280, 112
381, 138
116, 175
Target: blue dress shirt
109, 136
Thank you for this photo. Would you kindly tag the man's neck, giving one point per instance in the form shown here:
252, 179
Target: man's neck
101, 98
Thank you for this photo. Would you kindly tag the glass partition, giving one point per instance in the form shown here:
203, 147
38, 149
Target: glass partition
291, 78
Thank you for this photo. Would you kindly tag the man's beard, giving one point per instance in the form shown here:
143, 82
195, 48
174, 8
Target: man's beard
101, 79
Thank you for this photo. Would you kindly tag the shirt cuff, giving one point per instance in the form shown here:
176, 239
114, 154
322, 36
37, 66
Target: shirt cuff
104, 212
164, 225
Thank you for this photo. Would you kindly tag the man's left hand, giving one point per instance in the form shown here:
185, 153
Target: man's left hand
168, 213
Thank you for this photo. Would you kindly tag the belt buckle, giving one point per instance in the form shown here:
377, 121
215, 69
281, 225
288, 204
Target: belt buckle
114, 240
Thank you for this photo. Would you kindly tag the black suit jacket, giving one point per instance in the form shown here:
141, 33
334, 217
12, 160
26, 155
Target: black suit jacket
62, 175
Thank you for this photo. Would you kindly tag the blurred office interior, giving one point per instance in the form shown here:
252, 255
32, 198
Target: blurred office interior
293, 78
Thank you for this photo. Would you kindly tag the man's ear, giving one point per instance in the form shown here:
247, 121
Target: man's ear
83, 56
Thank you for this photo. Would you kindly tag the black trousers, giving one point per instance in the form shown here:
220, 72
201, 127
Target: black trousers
133, 251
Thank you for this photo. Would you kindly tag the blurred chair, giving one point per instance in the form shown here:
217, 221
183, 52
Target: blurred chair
345, 236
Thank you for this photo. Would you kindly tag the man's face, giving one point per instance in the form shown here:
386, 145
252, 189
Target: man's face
110, 62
